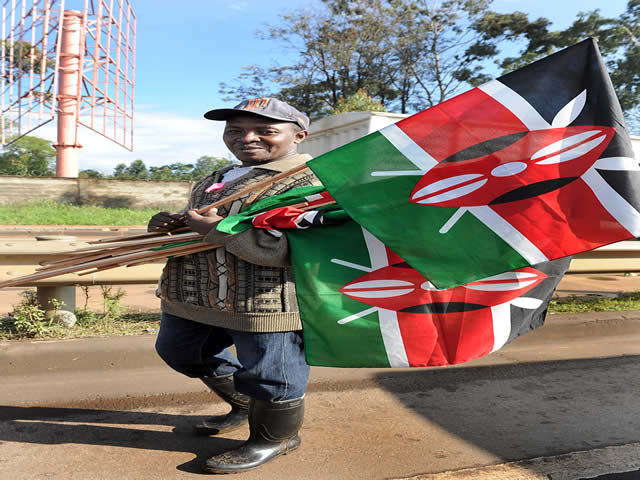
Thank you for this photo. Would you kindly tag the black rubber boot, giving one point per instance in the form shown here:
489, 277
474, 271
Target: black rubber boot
237, 417
274, 431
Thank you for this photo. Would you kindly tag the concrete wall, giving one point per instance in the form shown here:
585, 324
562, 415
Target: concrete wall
95, 191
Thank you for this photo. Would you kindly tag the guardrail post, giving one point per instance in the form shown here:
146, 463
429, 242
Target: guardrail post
66, 295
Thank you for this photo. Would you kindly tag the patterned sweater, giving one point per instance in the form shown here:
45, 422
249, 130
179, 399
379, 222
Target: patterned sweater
247, 283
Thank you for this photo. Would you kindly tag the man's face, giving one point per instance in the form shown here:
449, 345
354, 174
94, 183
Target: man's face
255, 140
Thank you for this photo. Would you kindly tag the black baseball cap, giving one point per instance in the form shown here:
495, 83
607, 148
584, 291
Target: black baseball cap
264, 107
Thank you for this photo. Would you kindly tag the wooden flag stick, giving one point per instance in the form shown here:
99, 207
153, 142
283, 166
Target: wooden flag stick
184, 237
311, 207
140, 236
78, 259
252, 188
155, 255
78, 268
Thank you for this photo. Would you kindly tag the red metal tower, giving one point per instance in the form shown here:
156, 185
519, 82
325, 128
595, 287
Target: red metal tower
78, 65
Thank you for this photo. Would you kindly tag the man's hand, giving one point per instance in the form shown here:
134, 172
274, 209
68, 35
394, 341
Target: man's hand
202, 223
165, 222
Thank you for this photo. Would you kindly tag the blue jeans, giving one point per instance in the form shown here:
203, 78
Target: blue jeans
269, 366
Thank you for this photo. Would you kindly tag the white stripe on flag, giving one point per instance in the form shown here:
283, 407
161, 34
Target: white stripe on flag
377, 251
617, 163
358, 315
516, 104
410, 149
392, 338
509, 234
613, 203
501, 315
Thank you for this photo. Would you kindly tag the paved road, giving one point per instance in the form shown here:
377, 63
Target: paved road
93, 411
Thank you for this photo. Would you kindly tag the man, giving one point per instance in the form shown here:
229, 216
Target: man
241, 293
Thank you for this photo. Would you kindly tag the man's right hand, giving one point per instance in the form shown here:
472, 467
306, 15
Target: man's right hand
165, 222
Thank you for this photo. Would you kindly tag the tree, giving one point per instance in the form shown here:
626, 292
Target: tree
89, 173
28, 156
119, 170
407, 54
618, 40
412, 54
21, 56
360, 101
207, 164
137, 170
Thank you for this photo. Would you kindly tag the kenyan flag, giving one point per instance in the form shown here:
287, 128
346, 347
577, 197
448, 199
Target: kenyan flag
363, 306
533, 166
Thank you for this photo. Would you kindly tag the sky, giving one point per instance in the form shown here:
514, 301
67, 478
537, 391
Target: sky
185, 49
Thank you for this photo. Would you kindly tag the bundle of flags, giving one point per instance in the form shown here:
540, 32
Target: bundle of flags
439, 239
453, 227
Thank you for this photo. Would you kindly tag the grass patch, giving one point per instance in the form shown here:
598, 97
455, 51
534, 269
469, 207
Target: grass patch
572, 304
28, 320
53, 213
92, 325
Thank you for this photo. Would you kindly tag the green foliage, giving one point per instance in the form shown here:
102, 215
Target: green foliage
407, 54
206, 165
52, 213
618, 40
413, 54
573, 304
111, 302
90, 174
360, 101
137, 170
28, 156
27, 318
20, 56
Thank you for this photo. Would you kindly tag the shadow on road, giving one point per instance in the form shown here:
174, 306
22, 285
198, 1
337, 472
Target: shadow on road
140, 430
528, 410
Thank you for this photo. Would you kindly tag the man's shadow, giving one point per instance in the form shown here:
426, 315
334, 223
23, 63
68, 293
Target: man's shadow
53, 426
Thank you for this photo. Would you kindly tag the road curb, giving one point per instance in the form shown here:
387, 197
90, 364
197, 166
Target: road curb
135, 352
570, 466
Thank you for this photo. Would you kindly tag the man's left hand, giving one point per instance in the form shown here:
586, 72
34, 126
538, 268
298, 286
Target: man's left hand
202, 224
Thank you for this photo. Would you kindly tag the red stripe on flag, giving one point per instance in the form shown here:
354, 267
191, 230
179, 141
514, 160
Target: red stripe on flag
570, 226
459, 123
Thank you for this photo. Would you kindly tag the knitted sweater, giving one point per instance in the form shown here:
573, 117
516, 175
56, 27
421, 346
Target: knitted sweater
247, 283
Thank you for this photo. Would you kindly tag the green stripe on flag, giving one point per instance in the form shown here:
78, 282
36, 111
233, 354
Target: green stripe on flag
318, 283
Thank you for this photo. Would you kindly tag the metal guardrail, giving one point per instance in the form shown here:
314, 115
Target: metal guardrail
22, 257
621, 257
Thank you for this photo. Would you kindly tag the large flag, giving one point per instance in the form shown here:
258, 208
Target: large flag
533, 166
362, 306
